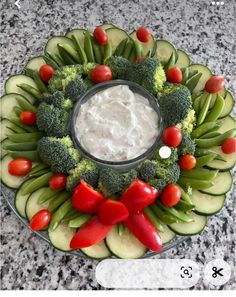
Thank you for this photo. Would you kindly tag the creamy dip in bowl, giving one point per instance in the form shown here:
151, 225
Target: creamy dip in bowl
116, 123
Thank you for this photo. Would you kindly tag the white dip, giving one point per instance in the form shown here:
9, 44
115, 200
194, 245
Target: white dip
116, 124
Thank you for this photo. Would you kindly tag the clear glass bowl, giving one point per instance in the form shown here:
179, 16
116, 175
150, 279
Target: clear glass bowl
119, 165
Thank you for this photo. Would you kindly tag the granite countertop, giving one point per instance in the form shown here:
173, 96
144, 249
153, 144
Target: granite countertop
203, 30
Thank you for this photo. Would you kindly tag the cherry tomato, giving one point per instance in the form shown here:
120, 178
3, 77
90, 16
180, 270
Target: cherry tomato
86, 199
40, 220
46, 72
172, 136
100, 74
112, 212
187, 162
143, 34
28, 118
19, 166
140, 59
229, 145
174, 75
215, 84
170, 195
100, 36
57, 181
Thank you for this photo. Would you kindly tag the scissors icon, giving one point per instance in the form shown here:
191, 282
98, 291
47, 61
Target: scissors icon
216, 272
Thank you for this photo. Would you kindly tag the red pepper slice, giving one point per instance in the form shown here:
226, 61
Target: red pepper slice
138, 196
86, 199
140, 225
112, 212
89, 234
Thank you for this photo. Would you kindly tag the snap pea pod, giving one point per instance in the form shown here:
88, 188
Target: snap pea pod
148, 54
18, 122
96, 51
15, 128
56, 58
31, 155
217, 140
171, 61
38, 173
151, 215
79, 221
65, 56
121, 229
199, 152
215, 112
27, 137
37, 183
55, 203
194, 183
179, 214
193, 81
185, 74
72, 53
25, 104
39, 167
196, 104
70, 216
120, 48
17, 110
30, 90
79, 49
88, 48
185, 196
202, 174
51, 62
59, 214
184, 206
25, 146
203, 128
192, 73
107, 52
210, 135
137, 48
132, 56
162, 215
204, 160
128, 48
40, 84
47, 194
204, 110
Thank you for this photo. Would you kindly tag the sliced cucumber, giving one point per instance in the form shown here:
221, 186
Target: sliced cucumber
206, 74
97, 251
192, 228
5, 130
146, 46
7, 104
207, 204
35, 63
183, 59
61, 237
164, 50
167, 235
7, 179
222, 184
52, 43
227, 124
14, 80
229, 163
106, 26
79, 34
115, 36
126, 245
229, 104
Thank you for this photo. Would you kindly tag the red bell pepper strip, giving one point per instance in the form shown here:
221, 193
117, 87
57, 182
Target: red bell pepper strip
138, 196
140, 225
86, 199
89, 234
112, 212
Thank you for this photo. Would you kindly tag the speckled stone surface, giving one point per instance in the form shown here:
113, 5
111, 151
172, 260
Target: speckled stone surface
206, 32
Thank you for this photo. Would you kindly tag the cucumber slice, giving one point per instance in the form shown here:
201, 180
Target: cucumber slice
229, 104
164, 50
206, 74
183, 59
106, 26
79, 34
61, 237
35, 63
229, 163
14, 80
115, 36
5, 130
7, 179
3, 149
207, 204
222, 184
97, 251
227, 124
167, 235
146, 46
125, 246
7, 103
192, 228
51, 45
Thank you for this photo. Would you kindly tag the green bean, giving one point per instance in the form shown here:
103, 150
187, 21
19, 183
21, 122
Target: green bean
107, 52
27, 137
185, 74
193, 81
128, 48
59, 214
39, 167
65, 56
40, 84
185, 196
25, 104
18, 123
120, 48
79, 49
96, 51
37, 183
72, 52
217, 140
79, 221
121, 229
179, 214
194, 183
203, 112
216, 110
57, 201
17, 110
153, 219
202, 174
210, 134
88, 48
30, 90
137, 48
171, 61
203, 128
47, 194
165, 218
184, 206
204, 160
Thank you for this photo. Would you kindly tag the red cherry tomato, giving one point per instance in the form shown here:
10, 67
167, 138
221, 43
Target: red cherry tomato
229, 145
174, 75
100, 74
143, 34
100, 36
187, 162
28, 118
90, 233
170, 195
57, 181
40, 220
86, 199
138, 196
46, 72
140, 59
19, 167
215, 84
112, 212
172, 136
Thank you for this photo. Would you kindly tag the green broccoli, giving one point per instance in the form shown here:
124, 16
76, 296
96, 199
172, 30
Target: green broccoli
86, 170
110, 182
119, 66
57, 99
188, 122
58, 153
168, 173
187, 145
88, 67
173, 157
52, 120
75, 89
147, 170
158, 184
128, 178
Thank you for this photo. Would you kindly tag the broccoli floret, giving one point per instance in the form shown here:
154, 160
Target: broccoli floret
169, 173
57, 99
187, 145
58, 153
86, 170
147, 170
52, 120
158, 184
188, 123
173, 157
88, 67
128, 178
75, 89
119, 66
110, 182
169, 88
